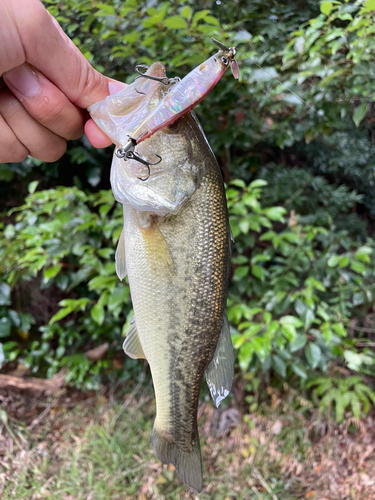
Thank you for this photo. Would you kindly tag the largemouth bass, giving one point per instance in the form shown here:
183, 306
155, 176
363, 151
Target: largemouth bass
175, 249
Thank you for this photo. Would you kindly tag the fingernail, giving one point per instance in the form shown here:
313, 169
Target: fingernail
115, 87
24, 80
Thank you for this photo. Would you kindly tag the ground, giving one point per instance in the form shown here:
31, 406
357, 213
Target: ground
96, 446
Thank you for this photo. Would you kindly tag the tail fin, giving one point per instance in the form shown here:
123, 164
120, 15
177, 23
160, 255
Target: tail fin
188, 464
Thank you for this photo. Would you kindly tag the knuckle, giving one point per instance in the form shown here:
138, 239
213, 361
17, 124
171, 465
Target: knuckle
93, 81
58, 117
48, 112
17, 158
75, 134
9, 105
54, 151
14, 152
92, 85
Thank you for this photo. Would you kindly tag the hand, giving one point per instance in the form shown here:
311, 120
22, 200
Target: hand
45, 84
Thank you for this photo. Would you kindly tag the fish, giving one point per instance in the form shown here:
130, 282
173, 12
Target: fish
175, 250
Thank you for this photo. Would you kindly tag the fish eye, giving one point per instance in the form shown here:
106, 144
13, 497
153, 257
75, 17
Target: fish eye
225, 60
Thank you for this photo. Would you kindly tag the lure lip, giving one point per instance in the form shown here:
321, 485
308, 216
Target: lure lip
234, 69
230, 53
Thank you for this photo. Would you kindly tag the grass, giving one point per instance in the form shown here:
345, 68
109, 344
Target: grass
102, 451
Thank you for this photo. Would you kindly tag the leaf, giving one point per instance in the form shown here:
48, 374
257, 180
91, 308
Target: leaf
327, 332
334, 260
62, 313
244, 225
291, 321
275, 213
298, 343
107, 10
186, 12
356, 406
240, 272
340, 404
175, 22
339, 329
357, 266
326, 8
359, 113
363, 253
5, 294
257, 271
240, 259
97, 313
289, 331
313, 354
212, 20
32, 186
253, 330
344, 261
51, 272
245, 355
369, 6
2, 357
353, 359
309, 317
239, 183
279, 365
257, 183
5, 325
299, 370
201, 14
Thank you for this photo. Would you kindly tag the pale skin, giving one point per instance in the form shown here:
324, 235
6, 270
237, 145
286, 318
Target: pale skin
45, 86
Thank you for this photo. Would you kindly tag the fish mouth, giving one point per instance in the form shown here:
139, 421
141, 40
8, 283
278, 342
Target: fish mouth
174, 126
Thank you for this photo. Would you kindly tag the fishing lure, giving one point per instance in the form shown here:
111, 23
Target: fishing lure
184, 95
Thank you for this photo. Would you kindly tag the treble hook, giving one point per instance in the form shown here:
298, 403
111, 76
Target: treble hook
130, 155
162, 79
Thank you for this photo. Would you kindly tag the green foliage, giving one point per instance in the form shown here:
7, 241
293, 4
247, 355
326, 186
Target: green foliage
343, 395
299, 121
62, 242
295, 288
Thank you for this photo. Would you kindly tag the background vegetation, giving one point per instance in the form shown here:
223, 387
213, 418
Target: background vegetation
294, 138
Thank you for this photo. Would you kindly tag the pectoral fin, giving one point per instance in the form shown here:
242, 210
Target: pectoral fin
219, 373
120, 257
158, 254
132, 344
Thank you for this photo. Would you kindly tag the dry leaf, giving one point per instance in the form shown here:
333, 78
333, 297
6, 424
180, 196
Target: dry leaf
310, 494
97, 353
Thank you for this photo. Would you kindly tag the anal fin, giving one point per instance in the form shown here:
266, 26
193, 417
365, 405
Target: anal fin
132, 345
219, 373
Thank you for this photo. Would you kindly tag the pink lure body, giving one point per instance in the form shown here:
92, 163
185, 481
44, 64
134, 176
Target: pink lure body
185, 95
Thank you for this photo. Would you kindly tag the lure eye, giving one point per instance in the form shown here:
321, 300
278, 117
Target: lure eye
225, 60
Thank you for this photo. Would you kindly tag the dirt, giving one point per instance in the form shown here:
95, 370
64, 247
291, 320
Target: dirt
315, 459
